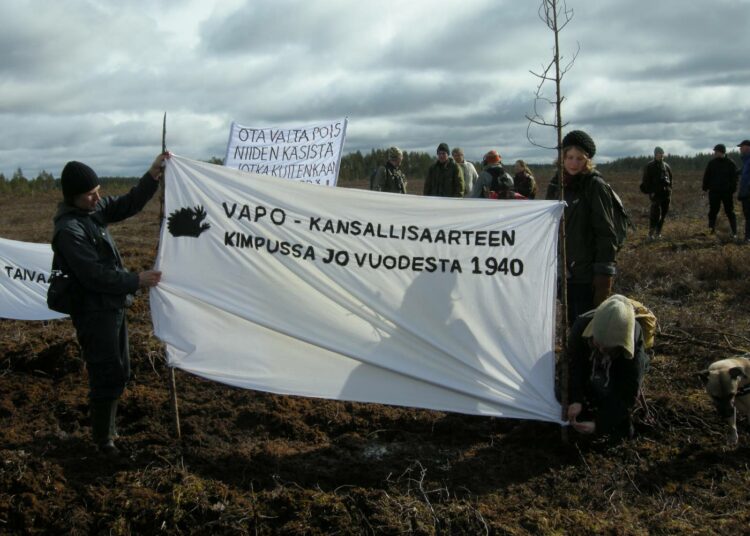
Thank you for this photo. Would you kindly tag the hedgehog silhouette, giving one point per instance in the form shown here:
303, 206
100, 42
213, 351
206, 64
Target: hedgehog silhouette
187, 221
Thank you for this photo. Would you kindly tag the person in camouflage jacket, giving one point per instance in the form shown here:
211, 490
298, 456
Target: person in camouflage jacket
657, 183
390, 178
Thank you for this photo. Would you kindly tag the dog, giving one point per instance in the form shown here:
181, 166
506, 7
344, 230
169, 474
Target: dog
727, 382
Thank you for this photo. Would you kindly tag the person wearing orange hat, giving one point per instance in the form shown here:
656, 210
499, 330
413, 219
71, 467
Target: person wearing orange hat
492, 170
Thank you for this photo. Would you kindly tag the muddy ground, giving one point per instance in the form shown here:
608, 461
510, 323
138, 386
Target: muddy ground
255, 463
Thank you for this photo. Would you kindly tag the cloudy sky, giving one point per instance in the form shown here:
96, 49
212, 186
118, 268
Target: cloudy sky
90, 80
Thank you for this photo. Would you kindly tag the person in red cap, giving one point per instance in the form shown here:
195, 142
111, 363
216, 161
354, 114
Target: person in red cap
492, 172
590, 237
84, 252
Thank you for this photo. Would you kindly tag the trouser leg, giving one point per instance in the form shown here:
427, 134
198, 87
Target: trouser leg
654, 215
664, 209
746, 213
103, 337
714, 204
104, 344
728, 202
580, 300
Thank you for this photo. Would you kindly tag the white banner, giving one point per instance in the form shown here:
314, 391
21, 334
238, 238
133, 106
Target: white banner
347, 294
309, 153
24, 280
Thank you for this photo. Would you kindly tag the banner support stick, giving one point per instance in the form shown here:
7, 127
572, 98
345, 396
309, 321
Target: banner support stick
172, 383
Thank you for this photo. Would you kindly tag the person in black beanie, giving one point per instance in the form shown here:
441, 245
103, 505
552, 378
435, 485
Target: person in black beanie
590, 239
445, 178
102, 288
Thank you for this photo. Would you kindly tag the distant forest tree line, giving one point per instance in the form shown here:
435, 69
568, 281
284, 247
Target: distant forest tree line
357, 167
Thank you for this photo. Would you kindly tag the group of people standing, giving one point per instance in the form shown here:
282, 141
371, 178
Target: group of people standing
606, 345
721, 180
452, 176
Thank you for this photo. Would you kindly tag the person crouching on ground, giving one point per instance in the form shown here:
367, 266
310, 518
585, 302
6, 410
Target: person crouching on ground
608, 361
85, 251
590, 239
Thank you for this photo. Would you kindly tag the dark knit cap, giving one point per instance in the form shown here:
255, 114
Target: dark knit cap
658, 150
77, 178
721, 148
580, 139
443, 147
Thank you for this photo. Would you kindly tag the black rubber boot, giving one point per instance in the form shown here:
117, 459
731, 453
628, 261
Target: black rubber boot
102, 423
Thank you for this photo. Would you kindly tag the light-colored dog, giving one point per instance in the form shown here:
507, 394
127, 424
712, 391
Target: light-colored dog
728, 384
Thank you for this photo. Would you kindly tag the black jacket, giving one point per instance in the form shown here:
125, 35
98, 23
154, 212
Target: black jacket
590, 238
720, 176
84, 249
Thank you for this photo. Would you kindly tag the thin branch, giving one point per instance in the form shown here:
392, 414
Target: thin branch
692, 340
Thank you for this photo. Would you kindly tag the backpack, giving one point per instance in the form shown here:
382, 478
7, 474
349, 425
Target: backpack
623, 222
644, 316
620, 217
500, 183
648, 322
62, 294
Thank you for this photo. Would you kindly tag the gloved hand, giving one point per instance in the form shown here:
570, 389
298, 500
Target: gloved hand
602, 287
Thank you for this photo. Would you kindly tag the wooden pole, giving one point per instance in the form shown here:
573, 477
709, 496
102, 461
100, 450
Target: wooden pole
172, 383
563, 362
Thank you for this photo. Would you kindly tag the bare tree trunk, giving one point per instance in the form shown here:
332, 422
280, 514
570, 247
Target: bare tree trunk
556, 16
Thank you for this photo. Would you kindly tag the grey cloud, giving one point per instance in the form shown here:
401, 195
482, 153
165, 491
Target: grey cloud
91, 80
